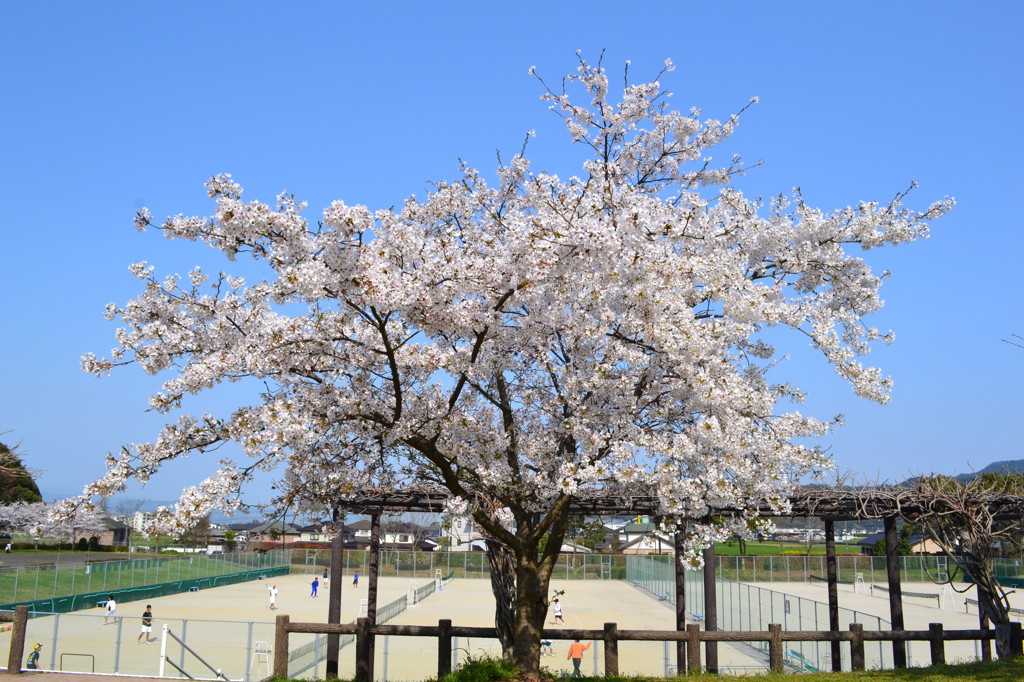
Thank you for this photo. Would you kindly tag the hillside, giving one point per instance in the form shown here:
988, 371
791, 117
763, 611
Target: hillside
1009, 466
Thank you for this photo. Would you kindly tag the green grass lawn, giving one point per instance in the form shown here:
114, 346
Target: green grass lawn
774, 548
46, 581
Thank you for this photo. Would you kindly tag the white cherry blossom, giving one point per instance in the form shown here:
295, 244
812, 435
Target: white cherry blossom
523, 342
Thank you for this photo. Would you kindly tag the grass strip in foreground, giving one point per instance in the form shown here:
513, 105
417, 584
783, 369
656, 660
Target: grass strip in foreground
496, 670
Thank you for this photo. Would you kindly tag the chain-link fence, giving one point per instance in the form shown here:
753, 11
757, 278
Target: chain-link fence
748, 607
418, 564
791, 568
76, 642
784, 568
67, 587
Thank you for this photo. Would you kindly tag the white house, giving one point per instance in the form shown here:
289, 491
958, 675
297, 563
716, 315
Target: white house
653, 543
464, 536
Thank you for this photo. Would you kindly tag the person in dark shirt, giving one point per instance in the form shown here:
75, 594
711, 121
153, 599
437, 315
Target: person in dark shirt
147, 624
33, 658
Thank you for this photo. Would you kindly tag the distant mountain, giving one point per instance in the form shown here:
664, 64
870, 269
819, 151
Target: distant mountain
1009, 466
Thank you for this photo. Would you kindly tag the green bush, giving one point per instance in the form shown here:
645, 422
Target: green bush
482, 669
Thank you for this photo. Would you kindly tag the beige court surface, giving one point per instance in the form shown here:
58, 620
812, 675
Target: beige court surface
224, 625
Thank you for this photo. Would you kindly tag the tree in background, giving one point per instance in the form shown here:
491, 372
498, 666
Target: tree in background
197, 533
85, 523
38, 520
29, 518
963, 518
16, 482
125, 510
521, 342
230, 541
904, 545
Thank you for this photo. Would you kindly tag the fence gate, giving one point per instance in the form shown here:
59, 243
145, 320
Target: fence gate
167, 634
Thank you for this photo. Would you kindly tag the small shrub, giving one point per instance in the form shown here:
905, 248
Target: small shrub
482, 669
83, 545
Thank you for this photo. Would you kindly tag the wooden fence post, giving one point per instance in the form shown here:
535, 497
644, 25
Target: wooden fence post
693, 649
775, 647
363, 669
281, 647
938, 645
444, 647
17, 640
1016, 640
611, 649
857, 646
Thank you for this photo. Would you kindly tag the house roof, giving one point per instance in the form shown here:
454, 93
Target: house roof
632, 528
872, 540
244, 526
275, 527
391, 527
570, 546
652, 539
114, 524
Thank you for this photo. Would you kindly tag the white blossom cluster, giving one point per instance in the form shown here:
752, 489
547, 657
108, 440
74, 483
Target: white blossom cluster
39, 519
525, 340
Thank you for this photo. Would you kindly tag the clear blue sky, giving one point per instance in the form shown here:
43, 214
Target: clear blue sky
108, 107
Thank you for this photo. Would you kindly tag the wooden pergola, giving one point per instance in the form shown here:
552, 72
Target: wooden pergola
829, 505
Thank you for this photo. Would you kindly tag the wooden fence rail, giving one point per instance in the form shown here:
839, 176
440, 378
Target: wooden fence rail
444, 631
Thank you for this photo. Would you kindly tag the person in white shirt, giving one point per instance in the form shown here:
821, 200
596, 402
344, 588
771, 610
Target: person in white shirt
111, 610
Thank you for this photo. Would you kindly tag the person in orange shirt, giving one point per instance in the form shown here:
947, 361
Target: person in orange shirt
576, 654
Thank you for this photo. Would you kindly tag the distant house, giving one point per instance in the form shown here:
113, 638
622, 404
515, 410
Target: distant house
919, 544
314, 532
463, 536
401, 535
276, 532
652, 543
631, 531
116, 533
569, 547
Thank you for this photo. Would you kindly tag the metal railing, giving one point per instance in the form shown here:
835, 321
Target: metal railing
312, 654
181, 669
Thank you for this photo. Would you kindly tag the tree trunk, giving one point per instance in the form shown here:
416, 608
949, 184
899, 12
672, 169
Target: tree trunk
503, 585
532, 578
531, 609
992, 603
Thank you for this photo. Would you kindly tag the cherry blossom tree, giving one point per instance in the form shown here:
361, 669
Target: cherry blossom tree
87, 522
39, 519
522, 341
25, 517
